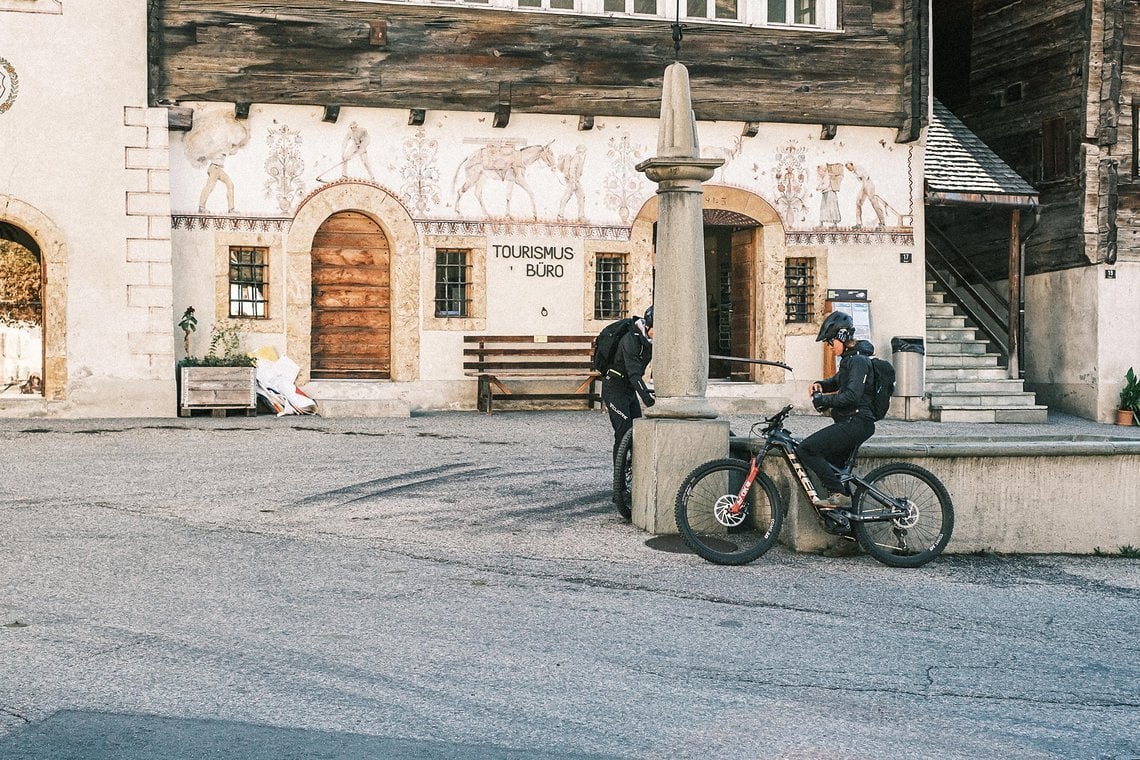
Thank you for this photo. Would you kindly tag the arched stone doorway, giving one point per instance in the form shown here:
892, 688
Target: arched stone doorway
744, 279
376, 214
21, 313
351, 303
40, 246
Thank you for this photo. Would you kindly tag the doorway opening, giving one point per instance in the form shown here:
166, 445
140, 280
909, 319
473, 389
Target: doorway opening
21, 313
730, 242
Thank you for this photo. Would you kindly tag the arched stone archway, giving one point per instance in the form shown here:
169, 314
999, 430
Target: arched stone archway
53, 255
397, 225
759, 247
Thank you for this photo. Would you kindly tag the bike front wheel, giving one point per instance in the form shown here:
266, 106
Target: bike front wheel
918, 537
714, 530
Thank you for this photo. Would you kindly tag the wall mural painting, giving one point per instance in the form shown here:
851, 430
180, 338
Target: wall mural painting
791, 182
9, 85
354, 150
215, 136
725, 154
505, 163
571, 166
623, 184
846, 192
420, 173
284, 167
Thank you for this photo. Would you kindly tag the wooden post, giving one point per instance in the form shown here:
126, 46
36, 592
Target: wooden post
1014, 344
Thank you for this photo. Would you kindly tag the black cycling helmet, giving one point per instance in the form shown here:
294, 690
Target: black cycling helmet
648, 317
838, 324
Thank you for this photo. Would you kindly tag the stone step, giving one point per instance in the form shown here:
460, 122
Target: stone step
960, 361
936, 334
942, 311
996, 414
973, 384
357, 398
982, 399
950, 347
935, 374
939, 324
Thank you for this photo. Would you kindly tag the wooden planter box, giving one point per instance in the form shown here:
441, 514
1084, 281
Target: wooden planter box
217, 389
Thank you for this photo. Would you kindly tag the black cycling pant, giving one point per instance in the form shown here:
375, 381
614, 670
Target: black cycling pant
833, 445
623, 407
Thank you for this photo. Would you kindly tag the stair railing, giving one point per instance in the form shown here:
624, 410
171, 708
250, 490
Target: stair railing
944, 256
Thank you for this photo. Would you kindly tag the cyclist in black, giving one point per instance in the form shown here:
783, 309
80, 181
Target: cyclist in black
848, 395
625, 381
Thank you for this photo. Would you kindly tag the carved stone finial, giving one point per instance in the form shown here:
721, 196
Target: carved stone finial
678, 135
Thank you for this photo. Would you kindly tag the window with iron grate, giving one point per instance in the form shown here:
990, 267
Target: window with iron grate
452, 282
611, 286
799, 289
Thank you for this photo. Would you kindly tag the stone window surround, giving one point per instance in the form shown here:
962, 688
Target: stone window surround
476, 320
223, 241
403, 240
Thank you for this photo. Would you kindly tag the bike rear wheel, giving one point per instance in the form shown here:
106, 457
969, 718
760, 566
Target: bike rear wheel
919, 537
623, 477
711, 529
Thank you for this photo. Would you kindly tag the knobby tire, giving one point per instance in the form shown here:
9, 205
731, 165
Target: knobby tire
696, 511
920, 538
623, 469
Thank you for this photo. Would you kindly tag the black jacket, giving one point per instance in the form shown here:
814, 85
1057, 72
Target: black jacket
848, 392
634, 353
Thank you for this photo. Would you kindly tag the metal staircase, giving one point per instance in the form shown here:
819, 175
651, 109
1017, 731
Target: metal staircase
964, 380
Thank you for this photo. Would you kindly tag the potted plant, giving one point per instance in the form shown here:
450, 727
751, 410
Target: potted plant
223, 378
1129, 399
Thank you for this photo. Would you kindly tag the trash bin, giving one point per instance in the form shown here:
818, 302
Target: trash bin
908, 357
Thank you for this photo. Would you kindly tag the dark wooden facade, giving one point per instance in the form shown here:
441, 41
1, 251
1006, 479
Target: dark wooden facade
334, 53
1042, 84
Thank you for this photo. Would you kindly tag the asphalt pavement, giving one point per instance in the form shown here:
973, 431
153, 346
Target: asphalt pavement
458, 585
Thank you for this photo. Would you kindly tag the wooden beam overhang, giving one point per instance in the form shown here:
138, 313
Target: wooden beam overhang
989, 200
392, 55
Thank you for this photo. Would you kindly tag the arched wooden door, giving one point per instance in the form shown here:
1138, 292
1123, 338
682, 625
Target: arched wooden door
351, 307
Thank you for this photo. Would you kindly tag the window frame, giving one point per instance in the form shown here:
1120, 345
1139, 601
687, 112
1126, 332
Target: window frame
603, 287
243, 285
806, 298
465, 283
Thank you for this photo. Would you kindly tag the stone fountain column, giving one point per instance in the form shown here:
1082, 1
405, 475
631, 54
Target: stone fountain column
679, 431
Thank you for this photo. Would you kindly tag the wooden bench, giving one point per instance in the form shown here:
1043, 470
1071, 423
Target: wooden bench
494, 357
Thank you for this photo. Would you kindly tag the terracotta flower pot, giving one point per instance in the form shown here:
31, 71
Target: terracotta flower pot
1124, 416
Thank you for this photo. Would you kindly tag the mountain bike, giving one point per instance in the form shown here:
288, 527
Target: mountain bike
730, 512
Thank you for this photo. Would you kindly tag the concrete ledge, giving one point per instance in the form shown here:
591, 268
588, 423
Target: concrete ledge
1027, 495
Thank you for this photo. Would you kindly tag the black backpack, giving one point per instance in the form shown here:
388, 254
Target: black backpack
606, 344
883, 385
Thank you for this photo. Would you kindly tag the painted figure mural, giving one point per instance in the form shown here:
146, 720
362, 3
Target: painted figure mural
571, 166
866, 193
215, 136
355, 146
501, 163
830, 181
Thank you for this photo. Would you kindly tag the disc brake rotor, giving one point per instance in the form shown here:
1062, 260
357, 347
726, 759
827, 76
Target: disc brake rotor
911, 518
722, 510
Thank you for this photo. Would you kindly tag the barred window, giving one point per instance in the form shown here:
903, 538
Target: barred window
452, 282
799, 289
248, 280
611, 286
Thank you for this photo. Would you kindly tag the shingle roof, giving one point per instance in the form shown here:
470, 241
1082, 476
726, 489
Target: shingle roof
960, 168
